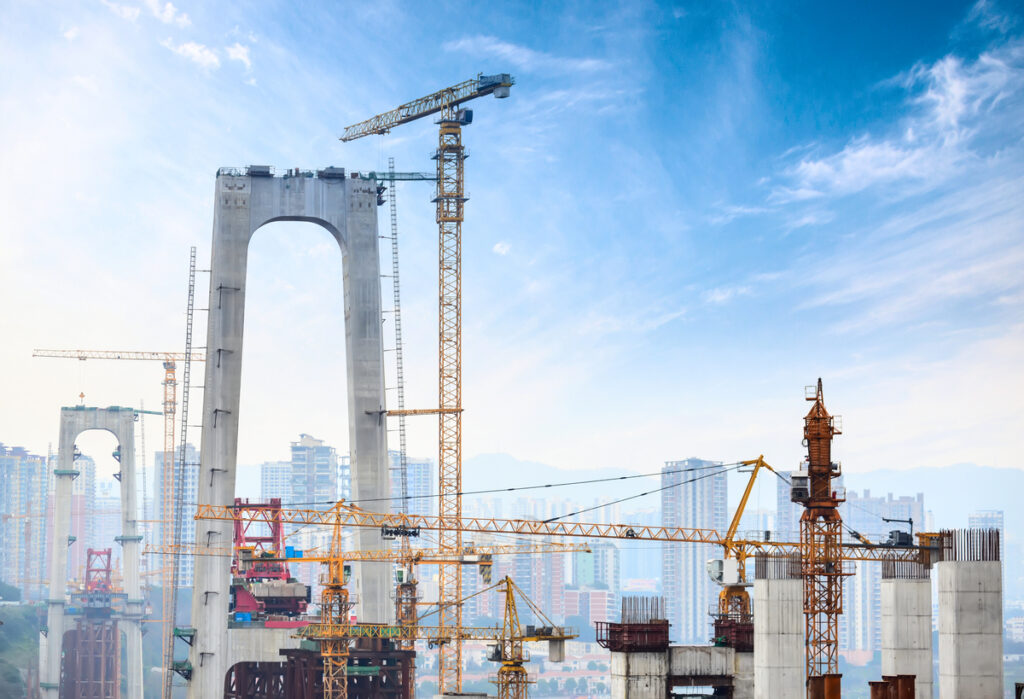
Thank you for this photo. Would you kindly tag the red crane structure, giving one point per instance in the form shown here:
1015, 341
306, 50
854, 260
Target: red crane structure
821, 550
91, 666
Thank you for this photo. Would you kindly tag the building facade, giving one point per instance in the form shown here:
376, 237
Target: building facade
24, 498
860, 625
421, 483
694, 494
314, 472
186, 493
276, 481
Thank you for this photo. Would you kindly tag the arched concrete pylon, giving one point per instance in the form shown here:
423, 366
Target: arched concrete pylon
121, 423
347, 208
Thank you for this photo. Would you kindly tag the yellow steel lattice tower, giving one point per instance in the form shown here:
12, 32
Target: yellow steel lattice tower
450, 201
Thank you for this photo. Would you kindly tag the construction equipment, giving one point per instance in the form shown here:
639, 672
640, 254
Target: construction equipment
450, 200
170, 403
821, 550
171, 511
733, 599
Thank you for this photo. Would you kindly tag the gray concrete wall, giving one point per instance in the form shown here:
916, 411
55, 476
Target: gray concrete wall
639, 675
779, 652
970, 629
907, 631
347, 209
121, 423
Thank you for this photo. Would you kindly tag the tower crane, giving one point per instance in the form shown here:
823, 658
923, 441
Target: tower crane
170, 406
450, 200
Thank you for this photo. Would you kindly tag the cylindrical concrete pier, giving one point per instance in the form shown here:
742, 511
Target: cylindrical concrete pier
779, 654
970, 579
907, 624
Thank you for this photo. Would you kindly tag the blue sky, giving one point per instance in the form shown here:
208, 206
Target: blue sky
683, 214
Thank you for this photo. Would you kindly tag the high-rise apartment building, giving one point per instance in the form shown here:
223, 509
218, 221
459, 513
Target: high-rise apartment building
107, 515
989, 519
860, 624
187, 494
420, 480
694, 494
276, 481
314, 472
83, 522
24, 496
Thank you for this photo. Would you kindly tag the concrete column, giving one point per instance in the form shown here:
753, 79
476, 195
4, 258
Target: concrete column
970, 629
51, 650
347, 209
779, 652
907, 626
639, 675
121, 423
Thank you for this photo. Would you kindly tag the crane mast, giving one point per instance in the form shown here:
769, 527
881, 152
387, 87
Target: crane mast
450, 201
821, 552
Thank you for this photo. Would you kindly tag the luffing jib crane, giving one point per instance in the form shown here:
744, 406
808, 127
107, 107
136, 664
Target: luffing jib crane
450, 201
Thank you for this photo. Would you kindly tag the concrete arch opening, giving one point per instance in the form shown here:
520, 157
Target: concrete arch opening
293, 370
120, 422
245, 201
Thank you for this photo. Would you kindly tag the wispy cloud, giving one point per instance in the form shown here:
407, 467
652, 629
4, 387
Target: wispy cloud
985, 14
195, 52
501, 248
964, 248
71, 34
127, 12
947, 102
86, 82
240, 53
523, 57
729, 213
723, 294
168, 13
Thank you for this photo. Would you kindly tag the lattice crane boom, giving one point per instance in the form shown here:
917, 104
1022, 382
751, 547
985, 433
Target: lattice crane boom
450, 201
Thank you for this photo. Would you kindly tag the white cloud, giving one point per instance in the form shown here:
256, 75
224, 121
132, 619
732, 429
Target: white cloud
168, 13
724, 294
71, 34
730, 213
950, 102
523, 57
123, 11
197, 53
501, 248
985, 15
86, 82
240, 53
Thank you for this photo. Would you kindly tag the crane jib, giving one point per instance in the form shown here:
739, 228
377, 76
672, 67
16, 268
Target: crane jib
431, 104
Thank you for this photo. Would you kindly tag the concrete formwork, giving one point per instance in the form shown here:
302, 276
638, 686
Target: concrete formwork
779, 654
121, 423
907, 631
347, 208
970, 629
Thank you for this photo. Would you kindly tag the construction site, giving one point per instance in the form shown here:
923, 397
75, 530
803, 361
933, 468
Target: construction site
385, 609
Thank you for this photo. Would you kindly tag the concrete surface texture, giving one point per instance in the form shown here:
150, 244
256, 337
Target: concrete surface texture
907, 631
970, 629
639, 675
779, 654
121, 423
347, 209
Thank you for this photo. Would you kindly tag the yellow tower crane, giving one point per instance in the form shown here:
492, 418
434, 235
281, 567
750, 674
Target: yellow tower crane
450, 200
170, 405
